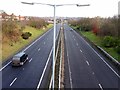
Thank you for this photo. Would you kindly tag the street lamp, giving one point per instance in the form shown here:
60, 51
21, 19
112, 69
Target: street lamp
54, 39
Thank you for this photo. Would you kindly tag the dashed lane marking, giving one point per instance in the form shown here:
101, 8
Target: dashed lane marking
13, 82
30, 60
87, 62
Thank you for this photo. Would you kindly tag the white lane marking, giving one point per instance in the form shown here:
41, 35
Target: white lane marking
67, 54
101, 58
80, 50
50, 86
36, 40
30, 60
87, 62
93, 73
44, 43
13, 81
5, 66
26, 48
74, 39
39, 49
23, 68
70, 73
77, 44
107, 64
47, 38
100, 86
38, 86
69, 67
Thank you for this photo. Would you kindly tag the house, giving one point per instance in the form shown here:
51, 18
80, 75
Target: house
5, 16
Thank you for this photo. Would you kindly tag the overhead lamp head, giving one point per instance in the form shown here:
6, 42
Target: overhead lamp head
78, 5
27, 3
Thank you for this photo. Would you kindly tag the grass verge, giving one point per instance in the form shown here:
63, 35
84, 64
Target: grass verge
98, 41
8, 50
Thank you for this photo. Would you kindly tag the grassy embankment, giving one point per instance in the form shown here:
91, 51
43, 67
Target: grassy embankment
8, 50
98, 41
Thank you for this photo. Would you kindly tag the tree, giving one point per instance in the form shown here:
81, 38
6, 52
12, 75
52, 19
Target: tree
37, 22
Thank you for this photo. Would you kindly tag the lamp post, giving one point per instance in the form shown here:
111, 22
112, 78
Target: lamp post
54, 38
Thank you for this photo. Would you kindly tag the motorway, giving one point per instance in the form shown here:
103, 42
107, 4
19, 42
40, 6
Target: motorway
34, 73
85, 67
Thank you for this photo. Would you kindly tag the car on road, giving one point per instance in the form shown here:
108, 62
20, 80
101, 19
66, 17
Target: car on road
19, 59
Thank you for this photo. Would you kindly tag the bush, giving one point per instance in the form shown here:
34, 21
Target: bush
108, 41
26, 35
118, 49
37, 22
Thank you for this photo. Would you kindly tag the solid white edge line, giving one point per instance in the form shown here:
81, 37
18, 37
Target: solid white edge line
37, 40
26, 48
70, 73
5, 66
60, 68
13, 81
100, 57
38, 86
100, 86
50, 86
69, 67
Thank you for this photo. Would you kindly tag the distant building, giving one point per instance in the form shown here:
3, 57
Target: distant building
50, 21
5, 16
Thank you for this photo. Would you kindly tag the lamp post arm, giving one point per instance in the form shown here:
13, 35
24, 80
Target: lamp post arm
44, 4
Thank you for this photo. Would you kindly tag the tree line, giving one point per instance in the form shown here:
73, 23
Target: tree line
12, 29
106, 28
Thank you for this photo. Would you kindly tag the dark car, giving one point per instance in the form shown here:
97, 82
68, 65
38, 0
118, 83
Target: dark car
19, 59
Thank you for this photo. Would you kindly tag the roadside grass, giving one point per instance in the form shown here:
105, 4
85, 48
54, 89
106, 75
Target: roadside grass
92, 37
8, 50
0, 46
98, 41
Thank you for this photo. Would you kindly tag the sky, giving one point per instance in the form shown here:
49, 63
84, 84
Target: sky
102, 8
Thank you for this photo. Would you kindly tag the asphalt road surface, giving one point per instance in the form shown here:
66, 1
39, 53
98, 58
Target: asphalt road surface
86, 67
34, 73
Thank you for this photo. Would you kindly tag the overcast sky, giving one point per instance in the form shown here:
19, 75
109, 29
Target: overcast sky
103, 8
